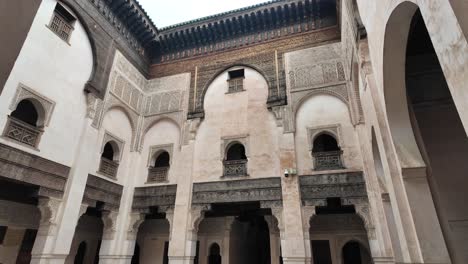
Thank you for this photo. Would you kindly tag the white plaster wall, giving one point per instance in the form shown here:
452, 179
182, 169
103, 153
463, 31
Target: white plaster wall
325, 110
161, 133
151, 237
118, 124
59, 71
237, 114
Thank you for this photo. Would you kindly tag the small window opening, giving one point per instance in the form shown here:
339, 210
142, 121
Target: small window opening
109, 165
108, 152
326, 153
26, 112
324, 143
236, 152
237, 74
236, 81
62, 22
160, 171
235, 163
162, 160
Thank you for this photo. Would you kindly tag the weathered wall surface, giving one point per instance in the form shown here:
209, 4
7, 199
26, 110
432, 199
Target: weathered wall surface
242, 116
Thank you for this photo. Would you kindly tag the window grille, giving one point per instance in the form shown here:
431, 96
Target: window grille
108, 167
158, 174
235, 168
236, 81
327, 160
62, 22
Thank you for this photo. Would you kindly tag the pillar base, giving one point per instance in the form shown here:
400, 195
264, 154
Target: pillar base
383, 260
181, 260
48, 259
296, 260
115, 259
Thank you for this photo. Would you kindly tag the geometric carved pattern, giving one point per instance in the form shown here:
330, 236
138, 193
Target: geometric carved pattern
162, 197
22, 132
349, 186
264, 190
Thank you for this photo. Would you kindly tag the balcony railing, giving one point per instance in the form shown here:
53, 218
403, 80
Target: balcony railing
329, 160
108, 167
235, 168
22, 132
158, 174
60, 26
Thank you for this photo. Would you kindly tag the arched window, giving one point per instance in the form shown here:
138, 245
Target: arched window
215, 254
326, 153
235, 163
109, 160
25, 111
24, 123
236, 152
158, 172
80, 254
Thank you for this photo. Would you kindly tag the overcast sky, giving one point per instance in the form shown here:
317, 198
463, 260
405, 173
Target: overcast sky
169, 12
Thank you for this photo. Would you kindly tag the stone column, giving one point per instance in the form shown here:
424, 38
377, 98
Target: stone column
47, 232
55, 246
275, 239
290, 222
226, 239
108, 243
11, 245
307, 213
182, 247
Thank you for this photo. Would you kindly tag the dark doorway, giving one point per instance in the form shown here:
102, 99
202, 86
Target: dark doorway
166, 253
250, 240
215, 254
81, 253
352, 253
24, 255
321, 252
136, 254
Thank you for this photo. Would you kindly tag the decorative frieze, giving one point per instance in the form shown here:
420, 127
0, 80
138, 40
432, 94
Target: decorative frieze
315, 189
101, 190
267, 189
18, 165
154, 196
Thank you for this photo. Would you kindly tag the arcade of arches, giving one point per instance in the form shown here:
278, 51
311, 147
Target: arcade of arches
289, 132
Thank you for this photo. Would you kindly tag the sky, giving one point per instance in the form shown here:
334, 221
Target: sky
169, 12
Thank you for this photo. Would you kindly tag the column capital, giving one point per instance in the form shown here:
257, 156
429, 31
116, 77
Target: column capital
49, 208
136, 219
109, 218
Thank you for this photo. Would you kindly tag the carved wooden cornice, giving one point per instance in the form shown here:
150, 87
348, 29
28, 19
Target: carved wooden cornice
267, 190
49, 176
161, 197
130, 19
244, 27
349, 186
101, 190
